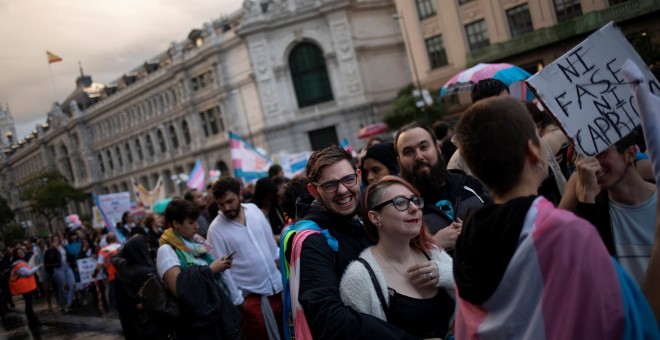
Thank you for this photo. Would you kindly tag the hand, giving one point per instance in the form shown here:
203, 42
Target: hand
446, 238
424, 274
221, 264
586, 187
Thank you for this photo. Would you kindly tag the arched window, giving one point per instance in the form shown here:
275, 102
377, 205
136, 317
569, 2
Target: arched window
309, 74
129, 154
186, 132
161, 141
175, 140
119, 159
112, 165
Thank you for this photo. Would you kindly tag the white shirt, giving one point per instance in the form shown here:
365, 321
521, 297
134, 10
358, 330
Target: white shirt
253, 268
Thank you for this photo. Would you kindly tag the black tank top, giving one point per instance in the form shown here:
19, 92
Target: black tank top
426, 318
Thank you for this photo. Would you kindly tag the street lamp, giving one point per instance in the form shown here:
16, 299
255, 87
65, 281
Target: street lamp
420, 95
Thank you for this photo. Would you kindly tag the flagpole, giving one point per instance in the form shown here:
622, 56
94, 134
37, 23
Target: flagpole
52, 80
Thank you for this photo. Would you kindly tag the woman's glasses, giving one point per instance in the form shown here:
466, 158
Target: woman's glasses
401, 203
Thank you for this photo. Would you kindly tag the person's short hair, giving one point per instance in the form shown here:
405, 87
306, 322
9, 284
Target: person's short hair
124, 217
447, 149
411, 126
441, 129
540, 118
492, 136
373, 196
383, 153
264, 189
291, 193
323, 158
224, 185
148, 220
486, 88
626, 142
274, 170
179, 209
374, 140
189, 194
111, 238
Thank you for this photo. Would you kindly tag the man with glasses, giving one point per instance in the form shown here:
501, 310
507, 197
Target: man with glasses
334, 185
449, 195
619, 203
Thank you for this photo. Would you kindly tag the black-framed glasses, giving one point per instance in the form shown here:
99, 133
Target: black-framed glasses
401, 203
332, 186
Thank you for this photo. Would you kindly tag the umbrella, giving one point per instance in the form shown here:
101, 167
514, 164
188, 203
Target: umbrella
511, 75
372, 130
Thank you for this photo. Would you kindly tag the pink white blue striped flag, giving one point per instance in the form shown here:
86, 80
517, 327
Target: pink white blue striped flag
197, 177
249, 164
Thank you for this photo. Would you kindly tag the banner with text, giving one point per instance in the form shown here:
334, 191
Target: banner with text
586, 93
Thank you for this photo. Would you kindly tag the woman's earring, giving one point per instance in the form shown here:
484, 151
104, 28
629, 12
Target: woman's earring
539, 165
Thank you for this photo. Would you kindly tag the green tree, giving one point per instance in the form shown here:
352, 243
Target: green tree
6, 214
48, 194
13, 233
405, 111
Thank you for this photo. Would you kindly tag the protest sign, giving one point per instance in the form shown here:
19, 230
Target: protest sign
585, 91
115, 205
86, 269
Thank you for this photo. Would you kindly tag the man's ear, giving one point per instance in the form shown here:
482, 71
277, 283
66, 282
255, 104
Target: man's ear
534, 151
359, 173
312, 190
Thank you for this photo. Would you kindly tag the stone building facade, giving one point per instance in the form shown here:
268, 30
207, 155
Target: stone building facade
289, 76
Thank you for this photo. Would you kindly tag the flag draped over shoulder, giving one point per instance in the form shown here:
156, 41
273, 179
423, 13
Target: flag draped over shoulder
52, 58
249, 164
147, 198
197, 176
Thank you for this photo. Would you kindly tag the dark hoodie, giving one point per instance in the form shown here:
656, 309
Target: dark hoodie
321, 270
485, 247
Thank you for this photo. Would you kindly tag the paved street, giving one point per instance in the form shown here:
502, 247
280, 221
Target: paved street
84, 323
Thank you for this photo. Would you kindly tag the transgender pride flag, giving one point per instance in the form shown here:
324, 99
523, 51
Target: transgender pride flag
197, 177
249, 164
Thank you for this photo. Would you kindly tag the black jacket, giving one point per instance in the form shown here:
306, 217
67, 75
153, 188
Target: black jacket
52, 260
598, 214
320, 274
460, 194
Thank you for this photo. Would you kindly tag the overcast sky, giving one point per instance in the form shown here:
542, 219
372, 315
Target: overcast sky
109, 38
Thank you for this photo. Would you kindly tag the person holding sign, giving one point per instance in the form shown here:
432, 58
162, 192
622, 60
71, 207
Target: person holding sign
523, 268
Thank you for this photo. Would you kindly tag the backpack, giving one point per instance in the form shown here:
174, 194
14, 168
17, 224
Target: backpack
291, 240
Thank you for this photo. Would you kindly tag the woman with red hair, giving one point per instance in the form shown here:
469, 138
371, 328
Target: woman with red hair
404, 279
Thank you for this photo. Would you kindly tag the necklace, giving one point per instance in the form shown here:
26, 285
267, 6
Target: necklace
388, 262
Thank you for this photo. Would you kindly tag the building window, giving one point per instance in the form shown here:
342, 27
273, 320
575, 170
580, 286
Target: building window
205, 128
186, 132
614, 2
119, 159
425, 8
175, 140
567, 9
138, 148
101, 165
129, 155
202, 81
150, 146
112, 165
477, 35
462, 2
309, 74
436, 49
161, 141
520, 22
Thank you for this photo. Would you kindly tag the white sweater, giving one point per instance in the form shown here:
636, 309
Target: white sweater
358, 292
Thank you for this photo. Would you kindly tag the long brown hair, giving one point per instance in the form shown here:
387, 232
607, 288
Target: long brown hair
373, 197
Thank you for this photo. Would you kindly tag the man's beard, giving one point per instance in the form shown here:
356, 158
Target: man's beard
428, 183
232, 214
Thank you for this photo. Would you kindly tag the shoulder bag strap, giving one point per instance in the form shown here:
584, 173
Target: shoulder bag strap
374, 281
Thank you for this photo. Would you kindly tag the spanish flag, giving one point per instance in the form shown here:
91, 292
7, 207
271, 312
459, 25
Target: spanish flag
52, 58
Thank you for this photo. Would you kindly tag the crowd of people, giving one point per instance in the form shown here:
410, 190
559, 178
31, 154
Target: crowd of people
490, 227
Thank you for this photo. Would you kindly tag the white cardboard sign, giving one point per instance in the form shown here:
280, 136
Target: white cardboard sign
585, 91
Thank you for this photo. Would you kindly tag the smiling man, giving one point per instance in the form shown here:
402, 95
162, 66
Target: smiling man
334, 183
449, 194
614, 198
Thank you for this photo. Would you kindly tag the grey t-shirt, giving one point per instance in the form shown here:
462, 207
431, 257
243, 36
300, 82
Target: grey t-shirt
633, 228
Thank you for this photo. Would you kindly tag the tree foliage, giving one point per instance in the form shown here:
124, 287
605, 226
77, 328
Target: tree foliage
48, 194
405, 111
13, 233
6, 214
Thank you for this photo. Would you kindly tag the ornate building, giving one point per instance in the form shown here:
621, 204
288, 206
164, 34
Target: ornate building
285, 75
